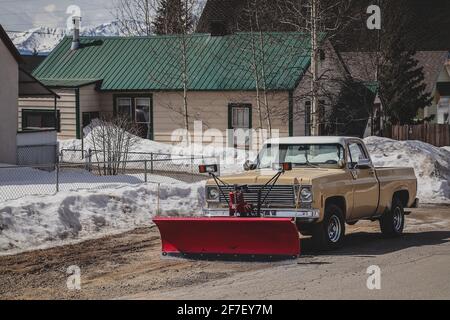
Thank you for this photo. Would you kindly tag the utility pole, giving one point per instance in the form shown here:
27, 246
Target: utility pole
314, 71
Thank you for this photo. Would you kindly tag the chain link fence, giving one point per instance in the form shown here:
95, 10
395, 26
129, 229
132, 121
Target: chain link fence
77, 170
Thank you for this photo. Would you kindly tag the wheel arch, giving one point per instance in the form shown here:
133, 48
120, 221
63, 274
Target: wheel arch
338, 201
403, 196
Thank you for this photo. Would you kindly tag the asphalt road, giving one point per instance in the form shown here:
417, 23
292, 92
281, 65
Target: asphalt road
129, 266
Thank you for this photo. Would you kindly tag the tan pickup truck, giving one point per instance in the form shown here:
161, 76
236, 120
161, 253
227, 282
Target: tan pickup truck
332, 182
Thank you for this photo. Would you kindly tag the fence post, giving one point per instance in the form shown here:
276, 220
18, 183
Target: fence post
158, 199
151, 163
145, 171
192, 169
57, 177
89, 159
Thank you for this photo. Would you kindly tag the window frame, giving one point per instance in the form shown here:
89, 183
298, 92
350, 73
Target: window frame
133, 97
362, 149
149, 109
57, 127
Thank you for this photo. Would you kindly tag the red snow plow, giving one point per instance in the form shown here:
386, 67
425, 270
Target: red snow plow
243, 233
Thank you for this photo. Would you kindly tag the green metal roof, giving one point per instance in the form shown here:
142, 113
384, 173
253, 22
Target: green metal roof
155, 62
71, 83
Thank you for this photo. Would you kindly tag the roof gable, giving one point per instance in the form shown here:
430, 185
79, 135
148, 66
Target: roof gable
155, 62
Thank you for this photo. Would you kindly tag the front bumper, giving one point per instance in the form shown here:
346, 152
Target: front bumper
308, 215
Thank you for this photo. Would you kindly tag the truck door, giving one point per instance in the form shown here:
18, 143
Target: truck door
365, 182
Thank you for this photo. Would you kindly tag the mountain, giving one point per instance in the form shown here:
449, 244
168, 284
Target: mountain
44, 39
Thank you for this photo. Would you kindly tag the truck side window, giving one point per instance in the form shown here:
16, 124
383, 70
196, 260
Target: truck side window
356, 152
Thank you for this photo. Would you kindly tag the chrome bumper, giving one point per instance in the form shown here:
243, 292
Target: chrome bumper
307, 214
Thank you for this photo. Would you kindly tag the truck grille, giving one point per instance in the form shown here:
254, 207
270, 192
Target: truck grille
279, 194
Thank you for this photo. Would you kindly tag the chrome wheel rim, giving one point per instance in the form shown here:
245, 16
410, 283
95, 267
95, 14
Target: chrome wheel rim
398, 219
334, 229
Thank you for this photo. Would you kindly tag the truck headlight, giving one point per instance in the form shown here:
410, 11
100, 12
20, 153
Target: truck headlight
212, 194
306, 194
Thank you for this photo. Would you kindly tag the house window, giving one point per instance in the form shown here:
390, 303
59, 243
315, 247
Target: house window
88, 117
321, 117
139, 109
124, 107
40, 119
142, 112
240, 120
307, 118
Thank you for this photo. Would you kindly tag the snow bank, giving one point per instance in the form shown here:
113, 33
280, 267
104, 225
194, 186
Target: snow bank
231, 160
43, 221
431, 164
19, 182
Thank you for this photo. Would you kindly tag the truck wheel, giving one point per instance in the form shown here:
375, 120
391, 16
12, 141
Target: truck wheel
393, 221
329, 234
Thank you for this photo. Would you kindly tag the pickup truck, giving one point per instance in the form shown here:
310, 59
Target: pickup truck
332, 183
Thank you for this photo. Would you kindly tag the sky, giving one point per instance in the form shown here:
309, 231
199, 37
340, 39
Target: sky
21, 15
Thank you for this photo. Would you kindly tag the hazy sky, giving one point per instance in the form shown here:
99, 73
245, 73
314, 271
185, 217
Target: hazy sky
25, 14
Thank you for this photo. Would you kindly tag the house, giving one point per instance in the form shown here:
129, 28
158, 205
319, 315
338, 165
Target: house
441, 97
142, 78
19, 146
362, 66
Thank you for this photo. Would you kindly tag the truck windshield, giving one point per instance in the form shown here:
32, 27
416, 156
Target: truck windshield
301, 155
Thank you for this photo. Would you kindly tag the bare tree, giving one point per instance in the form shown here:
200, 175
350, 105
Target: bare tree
135, 17
320, 21
112, 138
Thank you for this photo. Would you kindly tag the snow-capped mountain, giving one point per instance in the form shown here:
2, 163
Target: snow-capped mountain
44, 39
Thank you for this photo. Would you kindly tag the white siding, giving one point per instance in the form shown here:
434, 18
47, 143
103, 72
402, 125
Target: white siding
66, 106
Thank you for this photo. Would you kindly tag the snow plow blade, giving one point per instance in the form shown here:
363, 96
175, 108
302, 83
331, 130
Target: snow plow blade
229, 237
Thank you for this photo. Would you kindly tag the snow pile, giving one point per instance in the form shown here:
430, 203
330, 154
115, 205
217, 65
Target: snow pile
231, 160
431, 164
42, 221
19, 182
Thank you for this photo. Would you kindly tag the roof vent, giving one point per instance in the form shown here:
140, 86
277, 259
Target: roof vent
76, 33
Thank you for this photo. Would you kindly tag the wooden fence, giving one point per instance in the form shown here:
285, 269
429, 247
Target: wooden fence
435, 134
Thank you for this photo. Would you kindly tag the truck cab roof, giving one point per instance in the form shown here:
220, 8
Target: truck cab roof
311, 140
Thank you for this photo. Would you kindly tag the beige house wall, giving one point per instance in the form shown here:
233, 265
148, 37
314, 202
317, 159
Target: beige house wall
9, 92
209, 107
66, 106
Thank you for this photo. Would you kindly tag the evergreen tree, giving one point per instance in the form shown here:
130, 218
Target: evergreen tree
173, 17
402, 86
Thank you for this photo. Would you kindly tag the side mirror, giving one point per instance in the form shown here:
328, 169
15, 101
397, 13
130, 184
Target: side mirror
364, 164
249, 165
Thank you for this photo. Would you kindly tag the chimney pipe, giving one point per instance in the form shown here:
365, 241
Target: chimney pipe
76, 33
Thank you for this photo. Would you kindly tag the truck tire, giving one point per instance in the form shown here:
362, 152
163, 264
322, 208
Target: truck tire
330, 233
392, 222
